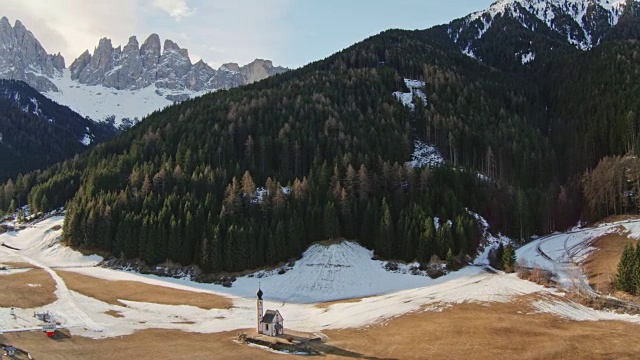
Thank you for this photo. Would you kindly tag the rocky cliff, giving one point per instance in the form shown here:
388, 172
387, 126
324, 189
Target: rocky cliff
23, 58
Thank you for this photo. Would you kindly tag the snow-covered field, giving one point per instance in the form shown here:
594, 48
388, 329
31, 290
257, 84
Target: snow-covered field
326, 272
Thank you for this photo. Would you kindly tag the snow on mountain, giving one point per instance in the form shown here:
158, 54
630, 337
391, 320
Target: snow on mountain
99, 102
425, 155
581, 22
415, 90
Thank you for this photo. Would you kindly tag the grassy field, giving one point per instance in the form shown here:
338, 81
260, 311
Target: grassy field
33, 288
495, 331
112, 291
466, 331
601, 265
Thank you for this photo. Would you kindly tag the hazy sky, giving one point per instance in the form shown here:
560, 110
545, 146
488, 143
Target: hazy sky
292, 33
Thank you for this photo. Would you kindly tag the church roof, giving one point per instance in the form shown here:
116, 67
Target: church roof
270, 316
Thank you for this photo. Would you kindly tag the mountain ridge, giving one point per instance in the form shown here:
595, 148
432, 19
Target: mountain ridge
581, 24
37, 132
155, 75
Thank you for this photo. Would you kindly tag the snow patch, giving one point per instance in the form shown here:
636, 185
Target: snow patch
491, 241
41, 241
527, 58
415, 90
425, 155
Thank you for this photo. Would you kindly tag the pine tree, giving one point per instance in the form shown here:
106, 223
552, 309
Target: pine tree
624, 274
330, 221
499, 256
636, 271
450, 260
384, 246
427, 240
509, 258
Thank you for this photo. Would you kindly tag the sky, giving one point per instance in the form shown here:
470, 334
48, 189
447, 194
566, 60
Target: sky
291, 33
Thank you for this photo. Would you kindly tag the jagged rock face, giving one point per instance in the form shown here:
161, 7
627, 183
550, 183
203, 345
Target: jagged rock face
173, 65
149, 56
168, 67
231, 67
101, 62
199, 75
79, 64
226, 78
133, 67
260, 69
22, 57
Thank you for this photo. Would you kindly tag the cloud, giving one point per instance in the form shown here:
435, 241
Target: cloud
72, 26
177, 9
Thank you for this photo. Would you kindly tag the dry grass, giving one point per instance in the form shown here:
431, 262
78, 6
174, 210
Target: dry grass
601, 265
112, 291
30, 289
467, 331
497, 331
326, 305
142, 345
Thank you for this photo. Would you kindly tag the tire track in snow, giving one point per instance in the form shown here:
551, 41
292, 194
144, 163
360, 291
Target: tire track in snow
64, 294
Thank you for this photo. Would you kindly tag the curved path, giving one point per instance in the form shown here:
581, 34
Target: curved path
65, 297
568, 265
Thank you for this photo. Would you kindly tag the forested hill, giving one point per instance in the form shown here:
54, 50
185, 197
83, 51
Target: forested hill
37, 132
251, 176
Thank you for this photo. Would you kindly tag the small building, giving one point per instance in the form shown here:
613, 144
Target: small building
10, 351
271, 323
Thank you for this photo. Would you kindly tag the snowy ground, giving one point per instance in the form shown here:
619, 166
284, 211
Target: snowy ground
563, 253
99, 102
416, 88
330, 272
425, 155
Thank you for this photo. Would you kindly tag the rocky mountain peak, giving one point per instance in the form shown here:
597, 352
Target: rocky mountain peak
583, 23
260, 69
132, 45
231, 67
152, 43
22, 57
163, 65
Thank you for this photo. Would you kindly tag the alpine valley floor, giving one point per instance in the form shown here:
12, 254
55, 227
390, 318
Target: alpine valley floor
373, 314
